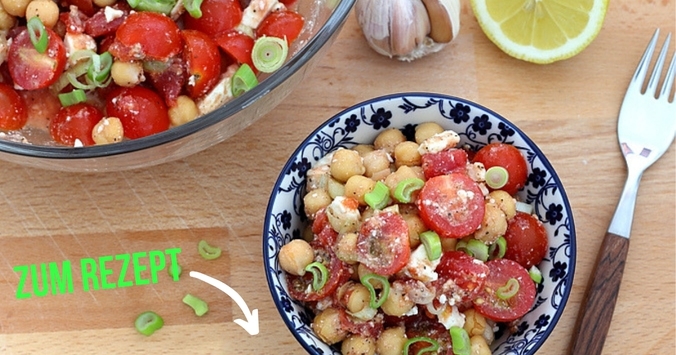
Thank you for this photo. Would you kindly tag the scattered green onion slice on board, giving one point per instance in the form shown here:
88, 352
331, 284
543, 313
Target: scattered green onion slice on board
379, 197
376, 301
405, 188
432, 349
175, 271
497, 249
269, 53
197, 304
535, 274
40, 39
243, 80
319, 274
508, 290
432, 243
193, 7
207, 251
460, 341
148, 322
496, 177
71, 98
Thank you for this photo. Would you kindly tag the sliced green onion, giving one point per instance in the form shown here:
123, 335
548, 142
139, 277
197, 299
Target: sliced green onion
193, 8
175, 271
159, 6
148, 322
405, 189
497, 249
524, 207
319, 275
80, 54
133, 3
207, 251
71, 98
269, 53
375, 301
535, 274
40, 39
379, 197
155, 66
198, 305
99, 67
460, 341
74, 71
496, 177
508, 290
432, 243
432, 349
474, 248
72, 79
243, 80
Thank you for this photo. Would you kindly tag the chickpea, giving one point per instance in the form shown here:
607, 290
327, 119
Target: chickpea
415, 224
362, 149
493, 225
363, 270
346, 163
475, 323
104, 3
376, 161
357, 186
7, 21
46, 10
403, 172
108, 130
346, 248
295, 256
358, 298
315, 200
126, 74
426, 130
356, 344
505, 201
391, 341
479, 346
327, 326
406, 153
335, 188
397, 303
15, 7
388, 139
184, 111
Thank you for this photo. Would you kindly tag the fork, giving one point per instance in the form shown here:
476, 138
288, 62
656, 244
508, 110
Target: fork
645, 130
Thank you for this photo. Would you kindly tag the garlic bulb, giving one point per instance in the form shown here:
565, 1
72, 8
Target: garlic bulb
408, 29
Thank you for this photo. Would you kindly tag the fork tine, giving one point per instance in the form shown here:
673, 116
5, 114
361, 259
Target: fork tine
642, 68
669, 79
657, 70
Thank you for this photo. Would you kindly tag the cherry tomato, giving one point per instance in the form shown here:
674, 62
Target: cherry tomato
383, 244
75, 122
218, 16
370, 328
452, 205
526, 240
141, 111
237, 45
508, 157
157, 35
168, 78
281, 24
444, 162
32, 70
13, 113
86, 6
467, 276
203, 60
324, 235
98, 25
300, 287
505, 310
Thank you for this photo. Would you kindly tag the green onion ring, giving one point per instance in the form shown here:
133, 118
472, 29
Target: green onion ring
535, 274
379, 197
460, 341
41, 40
193, 8
207, 251
269, 53
376, 302
496, 177
434, 345
474, 247
508, 290
319, 274
72, 79
432, 243
99, 67
175, 271
148, 322
243, 80
405, 188
497, 249
198, 305
71, 98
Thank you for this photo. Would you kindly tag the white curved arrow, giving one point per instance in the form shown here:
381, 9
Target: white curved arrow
251, 322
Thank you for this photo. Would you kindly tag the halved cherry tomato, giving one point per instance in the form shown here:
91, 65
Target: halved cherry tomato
203, 60
324, 234
99, 25
168, 78
32, 70
382, 244
13, 113
444, 162
147, 35
281, 24
369, 328
467, 276
300, 287
237, 45
508, 157
526, 240
75, 123
452, 205
141, 111
505, 310
86, 6
218, 16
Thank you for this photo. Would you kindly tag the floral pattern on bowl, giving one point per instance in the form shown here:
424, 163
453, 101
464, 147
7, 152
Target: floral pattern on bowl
477, 126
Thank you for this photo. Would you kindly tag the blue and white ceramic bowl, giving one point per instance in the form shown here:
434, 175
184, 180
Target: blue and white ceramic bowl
477, 126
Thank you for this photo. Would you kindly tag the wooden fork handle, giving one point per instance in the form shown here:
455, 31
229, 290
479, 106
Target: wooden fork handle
599, 303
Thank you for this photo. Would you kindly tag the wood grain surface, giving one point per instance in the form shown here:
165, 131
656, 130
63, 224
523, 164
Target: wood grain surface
568, 108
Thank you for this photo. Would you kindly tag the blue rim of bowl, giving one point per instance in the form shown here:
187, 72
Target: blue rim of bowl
266, 225
317, 42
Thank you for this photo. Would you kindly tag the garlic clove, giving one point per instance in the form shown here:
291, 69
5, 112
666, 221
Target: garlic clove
441, 30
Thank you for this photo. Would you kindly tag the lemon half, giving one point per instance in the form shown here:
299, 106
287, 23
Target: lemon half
540, 31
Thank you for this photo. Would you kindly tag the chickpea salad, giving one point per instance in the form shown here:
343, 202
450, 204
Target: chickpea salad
89, 72
416, 246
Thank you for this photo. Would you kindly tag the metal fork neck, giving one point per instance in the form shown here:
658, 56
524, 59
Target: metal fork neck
624, 212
